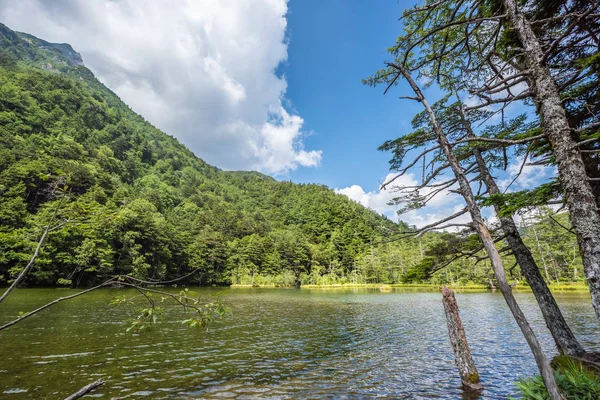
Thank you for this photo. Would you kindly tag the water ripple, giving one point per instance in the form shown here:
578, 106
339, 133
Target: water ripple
279, 344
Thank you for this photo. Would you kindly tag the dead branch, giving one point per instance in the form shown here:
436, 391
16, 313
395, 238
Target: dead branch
125, 280
86, 389
500, 141
433, 31
412, 164
523, 164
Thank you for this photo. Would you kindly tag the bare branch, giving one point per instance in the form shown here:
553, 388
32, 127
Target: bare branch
469, 226
408, 98
506, 100
425, 36
391, 83
520, 171
412, 164
157, 282
464, 255
501, 141
60, 299
569, 29
449, 218
28, 267
590, 126
591, 140
561, 225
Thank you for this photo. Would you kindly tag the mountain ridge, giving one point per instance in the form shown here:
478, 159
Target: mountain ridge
144, 203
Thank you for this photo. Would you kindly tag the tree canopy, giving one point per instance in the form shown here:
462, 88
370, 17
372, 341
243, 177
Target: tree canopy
137, 201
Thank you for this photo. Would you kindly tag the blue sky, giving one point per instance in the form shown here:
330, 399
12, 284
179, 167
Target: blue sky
332, 45
329, 52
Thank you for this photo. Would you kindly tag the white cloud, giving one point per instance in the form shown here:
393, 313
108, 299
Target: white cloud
529, 177
203, 71
444, 204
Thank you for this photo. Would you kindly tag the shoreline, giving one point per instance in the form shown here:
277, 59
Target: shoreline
383, 287
569, 287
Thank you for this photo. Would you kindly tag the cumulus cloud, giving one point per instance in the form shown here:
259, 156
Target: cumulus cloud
441, 206
201, 70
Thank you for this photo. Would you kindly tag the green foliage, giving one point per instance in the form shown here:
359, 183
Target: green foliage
576, 382
139, 202
146, 319
511, 203
206, 315
202, 314
421, 271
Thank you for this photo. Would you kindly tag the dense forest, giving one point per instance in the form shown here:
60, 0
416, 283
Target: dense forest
135, 201
139, 202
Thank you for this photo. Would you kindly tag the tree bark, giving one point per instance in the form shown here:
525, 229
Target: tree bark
462, 354
488, 242
564, 338
583, 210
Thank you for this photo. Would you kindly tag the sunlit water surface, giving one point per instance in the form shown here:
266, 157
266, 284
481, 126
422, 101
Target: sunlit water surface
278, 344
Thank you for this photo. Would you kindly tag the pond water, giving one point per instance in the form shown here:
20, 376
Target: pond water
279, 343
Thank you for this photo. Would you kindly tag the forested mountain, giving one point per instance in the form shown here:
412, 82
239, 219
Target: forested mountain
139, 202
136, 200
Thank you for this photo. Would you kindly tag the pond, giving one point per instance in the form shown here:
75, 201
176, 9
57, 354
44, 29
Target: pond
278, 344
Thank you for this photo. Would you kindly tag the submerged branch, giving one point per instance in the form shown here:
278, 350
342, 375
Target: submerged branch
86, 389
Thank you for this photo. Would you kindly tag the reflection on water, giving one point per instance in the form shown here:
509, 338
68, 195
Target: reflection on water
279, 343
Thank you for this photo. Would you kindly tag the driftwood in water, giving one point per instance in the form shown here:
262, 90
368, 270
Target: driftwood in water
464, 362
85, 390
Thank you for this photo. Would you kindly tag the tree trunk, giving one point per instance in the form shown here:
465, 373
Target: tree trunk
537, 241
488, 243
462, 354
554, 264
564, 338
583, 210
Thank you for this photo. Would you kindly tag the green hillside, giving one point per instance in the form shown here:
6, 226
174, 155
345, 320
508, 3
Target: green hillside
137, 200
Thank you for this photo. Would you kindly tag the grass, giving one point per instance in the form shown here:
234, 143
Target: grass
371, 286
563, 286
575, 381
240, 285
557, 287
